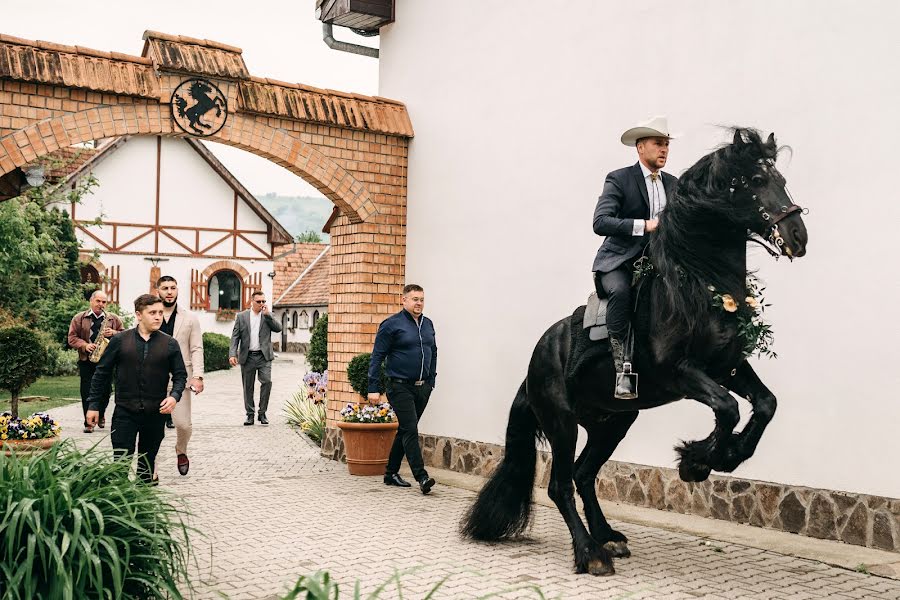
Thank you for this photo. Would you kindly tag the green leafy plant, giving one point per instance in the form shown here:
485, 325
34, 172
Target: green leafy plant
75, 526
317, 356
215, 351
23, 361
306, 409
756, 334
358, 374
320, 586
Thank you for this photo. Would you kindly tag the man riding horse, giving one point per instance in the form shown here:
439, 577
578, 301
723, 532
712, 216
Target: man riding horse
628, 210
699, 324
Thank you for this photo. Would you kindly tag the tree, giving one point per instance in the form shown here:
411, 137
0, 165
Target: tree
23, 362
309, 237
317, 355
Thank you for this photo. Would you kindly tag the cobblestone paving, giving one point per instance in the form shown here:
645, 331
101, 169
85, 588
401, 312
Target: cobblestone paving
268, 508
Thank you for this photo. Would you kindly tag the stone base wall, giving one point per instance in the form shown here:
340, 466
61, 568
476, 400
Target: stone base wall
859, 519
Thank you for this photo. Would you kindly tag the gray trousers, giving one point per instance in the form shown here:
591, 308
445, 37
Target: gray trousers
256, 363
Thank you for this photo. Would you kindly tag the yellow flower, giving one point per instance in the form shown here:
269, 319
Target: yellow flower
751, 302
728, 303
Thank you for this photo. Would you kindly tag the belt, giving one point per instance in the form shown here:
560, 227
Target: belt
254, 352
412, 381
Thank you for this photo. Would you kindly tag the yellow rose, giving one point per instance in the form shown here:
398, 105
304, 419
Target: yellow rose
751, 302
728, 303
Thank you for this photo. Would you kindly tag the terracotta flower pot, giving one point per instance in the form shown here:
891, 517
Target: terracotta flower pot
367, 446
27, 446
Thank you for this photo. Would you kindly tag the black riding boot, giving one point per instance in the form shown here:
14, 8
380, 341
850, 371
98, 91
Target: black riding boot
626, 379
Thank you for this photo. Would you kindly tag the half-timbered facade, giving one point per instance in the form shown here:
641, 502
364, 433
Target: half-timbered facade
167, 206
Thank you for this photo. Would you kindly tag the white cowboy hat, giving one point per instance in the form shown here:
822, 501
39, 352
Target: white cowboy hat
655, 127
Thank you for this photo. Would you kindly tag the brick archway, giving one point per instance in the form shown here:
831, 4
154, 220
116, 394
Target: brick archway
225, 265
352, 148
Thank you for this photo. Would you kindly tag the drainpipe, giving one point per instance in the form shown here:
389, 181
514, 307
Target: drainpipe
328, 38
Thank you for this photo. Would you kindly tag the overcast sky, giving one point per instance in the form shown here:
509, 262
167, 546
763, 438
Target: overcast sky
281, 40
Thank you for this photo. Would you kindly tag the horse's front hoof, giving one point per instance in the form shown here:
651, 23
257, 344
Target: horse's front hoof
689, 471
598, 568
594, 559
617, 549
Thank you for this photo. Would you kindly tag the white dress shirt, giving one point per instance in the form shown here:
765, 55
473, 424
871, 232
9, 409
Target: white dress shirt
255, 319
656, 193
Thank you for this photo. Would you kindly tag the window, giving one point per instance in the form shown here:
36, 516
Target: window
294, 320
225, 291
303, 323
89, 274
314, 319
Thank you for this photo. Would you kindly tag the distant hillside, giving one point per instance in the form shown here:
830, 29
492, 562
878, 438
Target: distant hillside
298, 213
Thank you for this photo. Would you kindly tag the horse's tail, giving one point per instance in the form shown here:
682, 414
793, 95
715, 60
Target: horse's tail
503, 506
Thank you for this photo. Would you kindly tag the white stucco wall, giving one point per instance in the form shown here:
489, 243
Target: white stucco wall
517, 113
302, 333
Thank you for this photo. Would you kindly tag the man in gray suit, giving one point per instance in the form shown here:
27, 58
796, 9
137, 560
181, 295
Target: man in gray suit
627, 211
251, 345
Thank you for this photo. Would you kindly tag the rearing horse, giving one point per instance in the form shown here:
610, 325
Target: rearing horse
691, 346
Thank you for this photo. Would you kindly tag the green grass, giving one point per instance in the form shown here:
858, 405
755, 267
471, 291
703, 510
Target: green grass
62, 390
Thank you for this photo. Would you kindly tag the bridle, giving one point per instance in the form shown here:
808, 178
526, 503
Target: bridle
772, 240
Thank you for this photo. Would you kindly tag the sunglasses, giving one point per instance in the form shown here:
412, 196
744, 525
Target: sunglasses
260, 301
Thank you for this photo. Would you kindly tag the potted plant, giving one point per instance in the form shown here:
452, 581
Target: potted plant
225, 314
368, 429
37, 432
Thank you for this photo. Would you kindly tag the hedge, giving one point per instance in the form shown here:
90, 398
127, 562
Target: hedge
215, 351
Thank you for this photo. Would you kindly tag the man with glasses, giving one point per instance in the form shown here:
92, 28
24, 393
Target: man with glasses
251, 346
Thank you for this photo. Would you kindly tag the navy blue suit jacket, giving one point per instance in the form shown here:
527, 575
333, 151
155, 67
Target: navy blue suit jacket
624, 200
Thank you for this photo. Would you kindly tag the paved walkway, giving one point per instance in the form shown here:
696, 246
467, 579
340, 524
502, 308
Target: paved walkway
269, 508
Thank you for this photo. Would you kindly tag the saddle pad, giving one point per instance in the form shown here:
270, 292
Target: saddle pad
595, 317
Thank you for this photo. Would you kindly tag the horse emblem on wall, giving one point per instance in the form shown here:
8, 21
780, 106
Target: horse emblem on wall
199, 107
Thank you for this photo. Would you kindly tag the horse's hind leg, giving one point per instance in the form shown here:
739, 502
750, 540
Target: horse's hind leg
562, 433
603, 437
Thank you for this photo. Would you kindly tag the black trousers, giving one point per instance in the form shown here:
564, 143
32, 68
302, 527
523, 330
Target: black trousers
616, 285
86, 371
409, 402
143, 428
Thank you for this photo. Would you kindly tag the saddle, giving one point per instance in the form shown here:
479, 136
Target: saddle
595, 317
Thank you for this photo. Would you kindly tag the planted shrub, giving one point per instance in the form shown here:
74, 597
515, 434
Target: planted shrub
306, 409
358, 374
75, 526
215, 351
24, 359
317, 356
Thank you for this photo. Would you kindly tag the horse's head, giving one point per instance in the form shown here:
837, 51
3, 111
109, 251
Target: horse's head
759, 194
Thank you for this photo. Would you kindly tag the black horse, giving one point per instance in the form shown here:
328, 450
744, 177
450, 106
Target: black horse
693, 343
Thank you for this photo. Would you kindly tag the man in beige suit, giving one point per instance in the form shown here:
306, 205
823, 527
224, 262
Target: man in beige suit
184, 326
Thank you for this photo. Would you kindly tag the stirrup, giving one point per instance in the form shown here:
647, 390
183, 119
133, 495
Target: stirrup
627, 376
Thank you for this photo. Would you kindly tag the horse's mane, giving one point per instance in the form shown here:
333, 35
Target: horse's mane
698, 225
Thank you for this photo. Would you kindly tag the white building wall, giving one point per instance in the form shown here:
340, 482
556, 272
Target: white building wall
302, 333
518, 113
135, 280
192, 194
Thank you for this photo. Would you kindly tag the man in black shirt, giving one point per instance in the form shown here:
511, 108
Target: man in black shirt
407, 341
143, 359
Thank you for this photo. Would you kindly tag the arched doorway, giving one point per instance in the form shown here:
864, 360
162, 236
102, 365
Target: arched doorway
352, 148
